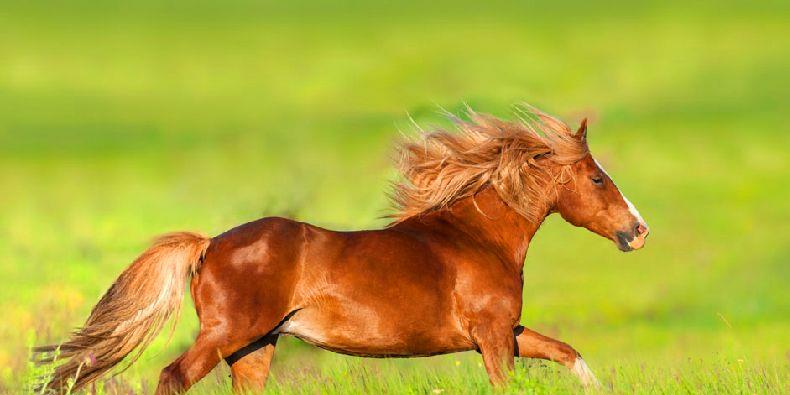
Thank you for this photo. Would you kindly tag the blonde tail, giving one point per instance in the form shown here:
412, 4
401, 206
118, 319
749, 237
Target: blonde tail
130, 314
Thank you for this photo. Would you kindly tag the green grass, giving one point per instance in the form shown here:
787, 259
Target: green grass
119, 122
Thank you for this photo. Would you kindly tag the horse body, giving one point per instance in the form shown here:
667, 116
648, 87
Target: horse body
445, 277
413, 289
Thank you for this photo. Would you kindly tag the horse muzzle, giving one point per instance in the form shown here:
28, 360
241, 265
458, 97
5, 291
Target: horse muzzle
634, 238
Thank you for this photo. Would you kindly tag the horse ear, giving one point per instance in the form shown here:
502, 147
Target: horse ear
581, 134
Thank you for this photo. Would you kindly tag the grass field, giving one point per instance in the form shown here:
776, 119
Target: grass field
119, 122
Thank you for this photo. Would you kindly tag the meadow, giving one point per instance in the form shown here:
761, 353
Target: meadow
122, 121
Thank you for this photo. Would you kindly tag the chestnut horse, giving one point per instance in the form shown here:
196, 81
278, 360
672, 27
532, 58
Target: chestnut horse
444, 277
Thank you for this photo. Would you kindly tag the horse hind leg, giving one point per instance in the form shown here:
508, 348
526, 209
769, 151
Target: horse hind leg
250, 366
211, 345
242, 293
249, 362
192, 365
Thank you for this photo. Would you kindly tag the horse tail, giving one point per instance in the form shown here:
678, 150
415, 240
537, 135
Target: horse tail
129, 315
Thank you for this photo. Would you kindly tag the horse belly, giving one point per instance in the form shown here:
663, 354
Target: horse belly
370, 333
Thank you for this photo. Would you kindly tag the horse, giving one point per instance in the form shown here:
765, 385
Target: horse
444, 276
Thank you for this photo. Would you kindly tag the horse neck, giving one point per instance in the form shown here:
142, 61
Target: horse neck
489, 220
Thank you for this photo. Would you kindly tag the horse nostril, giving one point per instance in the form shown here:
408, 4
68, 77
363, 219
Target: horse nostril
640, 229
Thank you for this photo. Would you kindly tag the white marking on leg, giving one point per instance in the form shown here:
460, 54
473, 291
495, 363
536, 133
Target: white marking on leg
583, 372
630, 205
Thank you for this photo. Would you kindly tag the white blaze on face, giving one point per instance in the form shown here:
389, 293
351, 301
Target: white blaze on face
630, 205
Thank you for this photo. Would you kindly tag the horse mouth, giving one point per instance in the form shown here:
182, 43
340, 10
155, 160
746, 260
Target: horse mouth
630, 242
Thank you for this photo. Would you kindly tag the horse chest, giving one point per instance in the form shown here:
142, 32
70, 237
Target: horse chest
487, 295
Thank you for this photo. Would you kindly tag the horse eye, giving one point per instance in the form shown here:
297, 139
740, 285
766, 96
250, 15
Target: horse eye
597, 180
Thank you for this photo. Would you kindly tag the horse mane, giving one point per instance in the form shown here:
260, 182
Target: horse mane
441, 167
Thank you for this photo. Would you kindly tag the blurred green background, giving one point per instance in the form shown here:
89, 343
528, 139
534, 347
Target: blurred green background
122, 121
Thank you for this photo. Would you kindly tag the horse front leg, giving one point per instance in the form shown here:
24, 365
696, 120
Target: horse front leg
495, 343
531, 344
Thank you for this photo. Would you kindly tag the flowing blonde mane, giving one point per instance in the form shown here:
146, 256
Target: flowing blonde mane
513, 157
